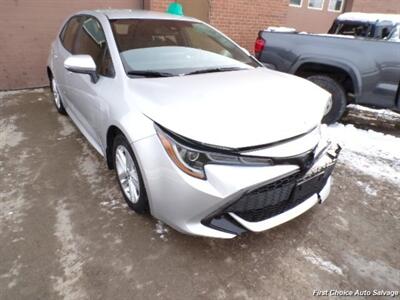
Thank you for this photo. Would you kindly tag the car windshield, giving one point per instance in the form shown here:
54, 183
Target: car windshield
176, 48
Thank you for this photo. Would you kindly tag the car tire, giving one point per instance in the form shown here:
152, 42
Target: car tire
339, 99
56, 96
128, 175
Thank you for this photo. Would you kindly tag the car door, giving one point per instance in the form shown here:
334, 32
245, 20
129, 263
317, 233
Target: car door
387, 54
86, 96
61, 50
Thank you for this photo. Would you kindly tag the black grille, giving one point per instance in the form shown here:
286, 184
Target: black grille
279, 196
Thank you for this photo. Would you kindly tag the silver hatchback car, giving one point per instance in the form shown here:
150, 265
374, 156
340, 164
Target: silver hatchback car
200, 134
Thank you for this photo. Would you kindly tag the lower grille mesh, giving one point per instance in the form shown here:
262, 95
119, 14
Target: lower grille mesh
278, 197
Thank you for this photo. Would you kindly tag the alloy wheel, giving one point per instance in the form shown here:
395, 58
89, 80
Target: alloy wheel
56, 95
127, 174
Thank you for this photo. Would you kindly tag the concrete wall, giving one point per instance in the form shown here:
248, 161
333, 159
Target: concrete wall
27, 28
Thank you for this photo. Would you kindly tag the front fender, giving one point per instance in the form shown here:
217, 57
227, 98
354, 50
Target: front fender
348, 67
135, 126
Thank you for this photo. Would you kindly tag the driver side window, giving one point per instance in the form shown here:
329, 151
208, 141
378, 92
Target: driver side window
91, 40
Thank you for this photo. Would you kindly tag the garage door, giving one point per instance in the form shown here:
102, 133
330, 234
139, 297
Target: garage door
26, 30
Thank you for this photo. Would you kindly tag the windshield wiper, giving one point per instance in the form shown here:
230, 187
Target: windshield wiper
146, 73
216, 70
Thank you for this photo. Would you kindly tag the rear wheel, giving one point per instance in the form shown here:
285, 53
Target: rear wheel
337, 106
57, 97
128, 175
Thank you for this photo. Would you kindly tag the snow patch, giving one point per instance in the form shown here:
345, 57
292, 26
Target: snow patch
69, 285
280, 29
325, 265
367, 151
368, 189
89, 166
67, 127
13, 274
4, 94
384, 114
334, 35
371, 191
368, 17
12, 204
379, 272
161, 230
10, 136
343, 223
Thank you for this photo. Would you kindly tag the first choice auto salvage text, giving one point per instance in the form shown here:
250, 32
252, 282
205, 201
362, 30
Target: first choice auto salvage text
361, 293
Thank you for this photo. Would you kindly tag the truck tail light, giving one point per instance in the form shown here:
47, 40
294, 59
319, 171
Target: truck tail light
259, 46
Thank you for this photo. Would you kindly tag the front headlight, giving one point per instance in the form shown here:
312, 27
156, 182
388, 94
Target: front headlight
192, 161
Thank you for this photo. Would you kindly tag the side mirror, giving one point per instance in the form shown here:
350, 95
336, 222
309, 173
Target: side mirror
82, 64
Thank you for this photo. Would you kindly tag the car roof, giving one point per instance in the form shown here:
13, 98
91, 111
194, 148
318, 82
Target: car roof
114, 14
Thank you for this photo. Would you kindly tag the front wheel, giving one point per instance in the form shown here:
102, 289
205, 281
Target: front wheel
128, 175
337, 106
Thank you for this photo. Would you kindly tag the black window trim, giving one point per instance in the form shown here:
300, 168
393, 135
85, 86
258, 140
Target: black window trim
60, 37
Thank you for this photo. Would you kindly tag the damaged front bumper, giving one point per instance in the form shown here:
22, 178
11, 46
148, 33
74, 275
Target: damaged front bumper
235, 199
280, 201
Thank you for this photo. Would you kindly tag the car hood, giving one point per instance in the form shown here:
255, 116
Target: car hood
232, 109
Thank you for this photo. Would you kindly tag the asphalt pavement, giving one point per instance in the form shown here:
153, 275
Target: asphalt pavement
65, 232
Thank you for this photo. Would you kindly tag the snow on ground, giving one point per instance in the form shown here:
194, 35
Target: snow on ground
384, 114
4, 94
161, 230
367, 151
325, 265
369, 190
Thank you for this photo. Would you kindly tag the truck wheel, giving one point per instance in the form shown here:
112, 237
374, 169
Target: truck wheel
339, 100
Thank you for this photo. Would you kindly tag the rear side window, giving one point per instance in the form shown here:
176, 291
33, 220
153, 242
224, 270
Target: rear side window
91, 40
354, 29
69, 31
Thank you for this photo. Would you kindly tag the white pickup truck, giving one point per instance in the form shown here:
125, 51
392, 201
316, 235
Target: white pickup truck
376, 26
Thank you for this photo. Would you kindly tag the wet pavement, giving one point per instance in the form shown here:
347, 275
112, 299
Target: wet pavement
65, 232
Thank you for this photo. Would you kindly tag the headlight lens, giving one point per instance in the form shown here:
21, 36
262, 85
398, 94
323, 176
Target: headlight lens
192, 161
188, 160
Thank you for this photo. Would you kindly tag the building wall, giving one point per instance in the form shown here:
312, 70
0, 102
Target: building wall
242, 19
375, 6
199, 9
158, 5
27, 28
311, 20
239, 19
319, 21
